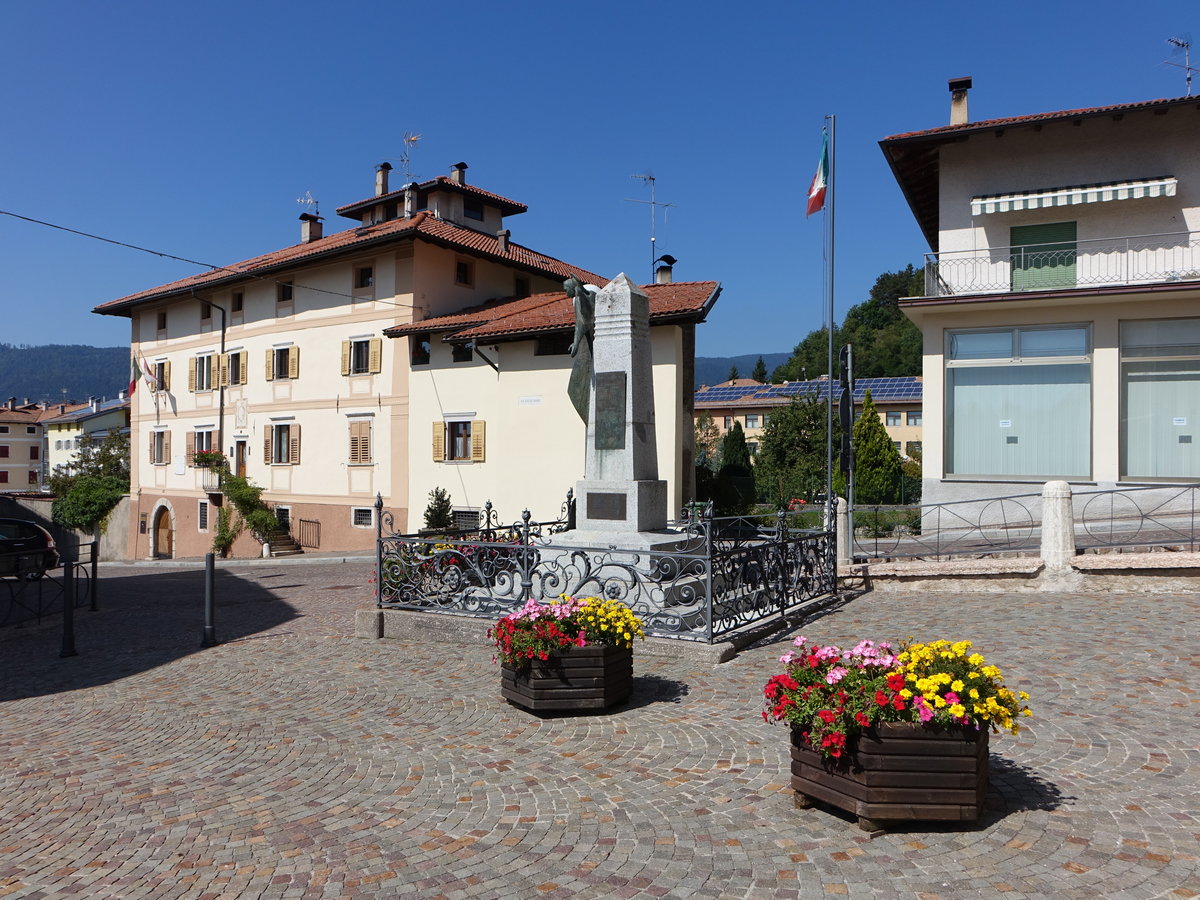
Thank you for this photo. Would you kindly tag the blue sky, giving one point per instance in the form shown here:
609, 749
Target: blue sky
193, 128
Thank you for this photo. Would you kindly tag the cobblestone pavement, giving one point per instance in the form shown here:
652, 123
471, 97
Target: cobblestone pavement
294, 760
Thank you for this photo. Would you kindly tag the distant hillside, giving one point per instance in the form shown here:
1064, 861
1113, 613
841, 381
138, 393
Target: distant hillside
712, 370
44, 373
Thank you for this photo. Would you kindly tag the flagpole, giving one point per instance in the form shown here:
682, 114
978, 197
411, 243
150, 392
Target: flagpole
830, 206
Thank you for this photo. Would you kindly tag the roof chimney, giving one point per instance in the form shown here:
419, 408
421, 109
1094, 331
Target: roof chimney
502, 237
310, 228
381, 178
410, 200
664, 274
12, 403
458, 173
958, 100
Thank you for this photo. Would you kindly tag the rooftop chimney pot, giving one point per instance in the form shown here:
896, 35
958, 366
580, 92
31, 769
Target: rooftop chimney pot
458, 173
310, 228
502, 237
665, 273
381, 178
958, 100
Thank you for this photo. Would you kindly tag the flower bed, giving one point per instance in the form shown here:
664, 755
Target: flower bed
892, 735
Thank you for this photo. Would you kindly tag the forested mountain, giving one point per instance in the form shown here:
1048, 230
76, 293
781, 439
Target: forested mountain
712, 370
62, 372
885, 341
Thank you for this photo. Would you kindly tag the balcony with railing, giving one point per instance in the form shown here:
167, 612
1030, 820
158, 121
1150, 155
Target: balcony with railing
1142, 259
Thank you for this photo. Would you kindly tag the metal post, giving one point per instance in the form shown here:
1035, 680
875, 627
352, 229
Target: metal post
210, 629
708, 554
379, 550
68, 633
527, 556
95, 585
781, 565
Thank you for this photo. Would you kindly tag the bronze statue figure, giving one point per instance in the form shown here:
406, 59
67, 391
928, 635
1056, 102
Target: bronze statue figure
579, 388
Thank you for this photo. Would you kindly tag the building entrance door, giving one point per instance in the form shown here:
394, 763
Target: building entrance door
163, 536
239, 459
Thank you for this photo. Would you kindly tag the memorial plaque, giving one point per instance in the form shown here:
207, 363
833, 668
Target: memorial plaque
606, 506
610, 410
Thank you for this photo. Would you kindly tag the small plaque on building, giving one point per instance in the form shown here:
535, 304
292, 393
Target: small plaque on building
606, 506
610, 411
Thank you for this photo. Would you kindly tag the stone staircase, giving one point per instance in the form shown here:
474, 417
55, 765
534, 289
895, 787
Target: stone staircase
283, 544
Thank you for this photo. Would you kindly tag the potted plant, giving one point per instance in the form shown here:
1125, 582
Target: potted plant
567, 654
208, 459
890, 735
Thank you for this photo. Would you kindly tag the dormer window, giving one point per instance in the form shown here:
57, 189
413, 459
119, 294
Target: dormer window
473, 208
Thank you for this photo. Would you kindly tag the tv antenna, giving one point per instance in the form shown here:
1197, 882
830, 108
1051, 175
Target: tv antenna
1185, 44
408, 142
309, 202
649, 179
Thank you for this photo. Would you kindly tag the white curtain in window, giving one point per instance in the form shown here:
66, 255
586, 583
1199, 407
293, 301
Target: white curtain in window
1159, 423
1020, 420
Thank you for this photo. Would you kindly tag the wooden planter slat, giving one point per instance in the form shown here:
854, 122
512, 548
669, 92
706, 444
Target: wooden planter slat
912, 772
577, 678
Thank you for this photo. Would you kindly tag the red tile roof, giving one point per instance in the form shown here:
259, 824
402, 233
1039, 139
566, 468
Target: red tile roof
509, 207
988, 124
542, 313
423, 226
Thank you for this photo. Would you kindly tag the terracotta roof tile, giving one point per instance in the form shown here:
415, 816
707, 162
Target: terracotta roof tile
512, 207
422, 226
540, 313
1041, 117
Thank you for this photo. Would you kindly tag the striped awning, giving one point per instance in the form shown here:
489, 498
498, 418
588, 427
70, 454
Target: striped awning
1070, 196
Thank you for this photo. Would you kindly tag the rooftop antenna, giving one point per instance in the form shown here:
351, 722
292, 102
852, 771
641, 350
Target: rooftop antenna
309, 202
649, 179
1185, 44
408, 142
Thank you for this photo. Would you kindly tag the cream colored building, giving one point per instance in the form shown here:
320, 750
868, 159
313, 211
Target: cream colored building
280, 363
750, 404
67, 425
21, 451
1060, 318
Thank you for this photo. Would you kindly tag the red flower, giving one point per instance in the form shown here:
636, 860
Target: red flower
861, 719
898, 702
881, 698
826, 716
895, 681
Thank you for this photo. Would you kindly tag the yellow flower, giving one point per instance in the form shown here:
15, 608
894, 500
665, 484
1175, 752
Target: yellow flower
958, 710
956, 685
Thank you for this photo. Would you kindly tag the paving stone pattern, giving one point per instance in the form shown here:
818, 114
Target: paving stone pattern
294, 760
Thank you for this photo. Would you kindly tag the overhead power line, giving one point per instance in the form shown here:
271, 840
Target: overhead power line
192, 262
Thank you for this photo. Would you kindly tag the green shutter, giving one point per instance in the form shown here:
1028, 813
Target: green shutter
1043, 256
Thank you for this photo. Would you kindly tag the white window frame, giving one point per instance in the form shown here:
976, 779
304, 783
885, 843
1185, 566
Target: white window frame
203, 516
356, 510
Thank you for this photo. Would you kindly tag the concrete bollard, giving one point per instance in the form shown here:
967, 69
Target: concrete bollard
1058, 526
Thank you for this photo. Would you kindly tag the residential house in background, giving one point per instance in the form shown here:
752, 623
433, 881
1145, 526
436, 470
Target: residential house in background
1060, 317
280, 362
21, 452
67, 424
750, 403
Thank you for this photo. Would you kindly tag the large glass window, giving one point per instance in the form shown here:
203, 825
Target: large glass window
1160, 399
1018, 402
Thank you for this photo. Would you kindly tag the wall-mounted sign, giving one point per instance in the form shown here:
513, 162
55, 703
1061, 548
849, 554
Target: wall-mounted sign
1006, 423
1179, 420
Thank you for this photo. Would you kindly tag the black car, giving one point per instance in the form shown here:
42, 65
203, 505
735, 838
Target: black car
26, 549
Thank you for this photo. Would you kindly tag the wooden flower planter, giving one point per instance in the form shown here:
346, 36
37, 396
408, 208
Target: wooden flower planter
898, 771
591, 677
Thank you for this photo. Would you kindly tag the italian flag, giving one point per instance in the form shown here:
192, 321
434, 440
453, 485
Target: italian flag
134, 374
816, 190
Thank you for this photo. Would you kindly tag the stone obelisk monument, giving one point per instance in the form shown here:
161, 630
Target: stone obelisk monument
621, 500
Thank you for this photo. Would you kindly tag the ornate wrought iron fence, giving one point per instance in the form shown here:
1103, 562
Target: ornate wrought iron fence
718, 576
964, 528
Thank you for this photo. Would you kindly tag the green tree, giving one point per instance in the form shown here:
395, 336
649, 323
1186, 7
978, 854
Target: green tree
877, 471
760, 371
708, 443
791, 458
734, 489
733, 374
808, 358
88, 488
439, 513
885, 341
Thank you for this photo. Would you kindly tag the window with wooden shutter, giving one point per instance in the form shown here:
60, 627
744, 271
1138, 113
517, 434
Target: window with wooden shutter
268, 436
214, 370
360, 441
294, 445
375, 362
192, 378
190, 451
223, 375
152, 440
478, 442
243, 371
346, 357
439, 442
166, 457
166, 375
270, 365
293, 362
